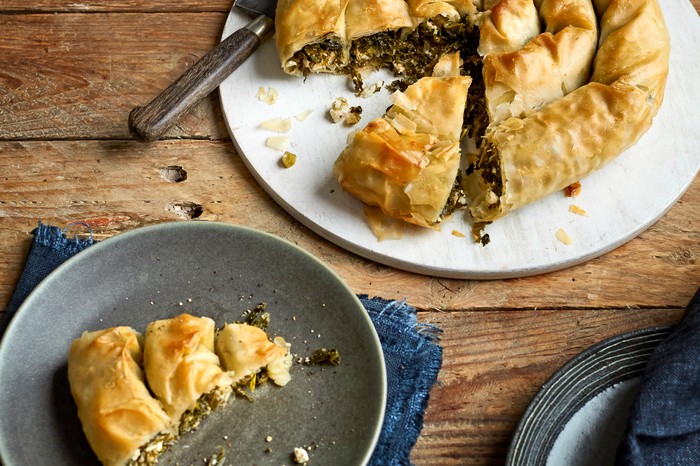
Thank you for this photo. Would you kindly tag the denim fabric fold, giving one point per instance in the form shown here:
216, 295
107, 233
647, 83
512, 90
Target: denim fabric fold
663, 427
413, 359
49, 249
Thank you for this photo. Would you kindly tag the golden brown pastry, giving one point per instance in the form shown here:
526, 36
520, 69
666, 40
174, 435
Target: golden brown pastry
182, 369
245, 349
340, 36
123, 422
317, 26
560, 88
523, 75
407, 162
366, 17
507, 25
525, 159
120, 418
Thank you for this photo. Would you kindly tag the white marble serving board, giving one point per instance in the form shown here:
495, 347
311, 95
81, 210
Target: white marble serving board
622, 199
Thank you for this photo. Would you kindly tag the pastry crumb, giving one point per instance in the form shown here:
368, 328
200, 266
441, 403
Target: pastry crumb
373, 89
342, 111
354, 115
303, 115
268, 96
301, 456
288, 159
382, 226
279, 125
574, 209
563, 237
573, 190
458, 234
278, 142
339, 109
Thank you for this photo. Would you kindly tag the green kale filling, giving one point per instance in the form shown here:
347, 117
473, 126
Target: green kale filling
258, 317
414, 54
325, 356
456, 200
205, 405
490, 167
408, 54
489, 170
321, 54
411, 55
149, 453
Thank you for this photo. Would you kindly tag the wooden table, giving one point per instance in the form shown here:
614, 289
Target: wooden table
71, 72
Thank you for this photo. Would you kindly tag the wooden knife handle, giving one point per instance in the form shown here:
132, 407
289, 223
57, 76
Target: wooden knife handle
151, 121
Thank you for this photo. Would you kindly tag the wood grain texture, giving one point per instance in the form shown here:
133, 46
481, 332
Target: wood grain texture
76, 76
131, 5
149, 122
20, 6
115, 186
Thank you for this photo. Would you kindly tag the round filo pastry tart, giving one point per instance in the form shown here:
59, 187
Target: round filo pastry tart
559, 87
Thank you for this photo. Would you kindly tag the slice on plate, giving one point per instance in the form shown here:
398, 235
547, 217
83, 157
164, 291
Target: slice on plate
245, 350
121, 420
182, 369
110, 374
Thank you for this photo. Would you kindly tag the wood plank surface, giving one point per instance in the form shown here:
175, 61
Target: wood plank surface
71, 72
77, 76
115, 186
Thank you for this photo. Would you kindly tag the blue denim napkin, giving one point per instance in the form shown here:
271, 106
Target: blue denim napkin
664, 423
49, 249
412, 352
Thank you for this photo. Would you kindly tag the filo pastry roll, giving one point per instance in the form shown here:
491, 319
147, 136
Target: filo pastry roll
122, 422
183, 370
315, 27
524, 67
245, 349
525, 159
407, 162
317, 36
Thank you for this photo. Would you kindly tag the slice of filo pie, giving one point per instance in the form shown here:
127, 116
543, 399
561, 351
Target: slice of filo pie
407, 161
248, 352
123, 423
183, 370
599, 96
349, 36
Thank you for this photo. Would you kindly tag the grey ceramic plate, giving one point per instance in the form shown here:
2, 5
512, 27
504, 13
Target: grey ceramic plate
583, 407
202, 268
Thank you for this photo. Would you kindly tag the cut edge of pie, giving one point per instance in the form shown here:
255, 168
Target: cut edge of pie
559, 87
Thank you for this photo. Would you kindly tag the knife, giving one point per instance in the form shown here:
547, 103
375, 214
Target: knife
149, 122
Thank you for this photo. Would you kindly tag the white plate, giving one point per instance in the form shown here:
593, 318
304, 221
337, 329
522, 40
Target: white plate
578, 417
622, 199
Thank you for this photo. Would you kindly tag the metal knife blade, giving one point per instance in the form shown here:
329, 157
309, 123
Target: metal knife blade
151, 121
257, 7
